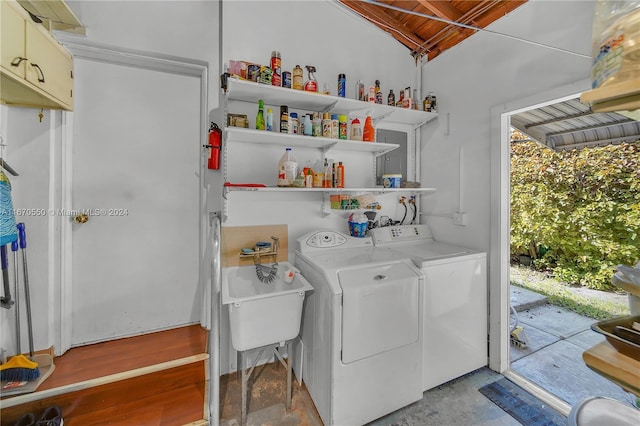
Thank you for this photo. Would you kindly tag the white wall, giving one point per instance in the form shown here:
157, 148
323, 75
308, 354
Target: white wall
483, 73
324, 34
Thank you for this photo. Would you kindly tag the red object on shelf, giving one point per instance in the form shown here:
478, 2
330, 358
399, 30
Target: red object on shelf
215, 145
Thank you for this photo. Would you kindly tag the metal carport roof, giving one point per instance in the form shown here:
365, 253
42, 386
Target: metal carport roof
572, 125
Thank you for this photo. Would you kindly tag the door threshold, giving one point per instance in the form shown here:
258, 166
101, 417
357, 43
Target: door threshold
544, 395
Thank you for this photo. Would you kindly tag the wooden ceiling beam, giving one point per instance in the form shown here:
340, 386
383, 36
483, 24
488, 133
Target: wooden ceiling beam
381, 19
442, 9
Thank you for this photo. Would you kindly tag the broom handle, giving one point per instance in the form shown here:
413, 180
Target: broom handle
22, 233
14, 249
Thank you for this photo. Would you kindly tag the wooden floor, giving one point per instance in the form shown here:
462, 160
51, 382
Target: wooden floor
154, 379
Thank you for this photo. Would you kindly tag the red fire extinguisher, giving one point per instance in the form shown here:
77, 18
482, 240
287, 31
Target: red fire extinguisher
215, 145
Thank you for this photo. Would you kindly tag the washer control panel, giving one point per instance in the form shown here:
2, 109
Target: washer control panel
325, 240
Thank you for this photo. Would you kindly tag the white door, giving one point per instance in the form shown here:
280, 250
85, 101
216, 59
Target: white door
136, 148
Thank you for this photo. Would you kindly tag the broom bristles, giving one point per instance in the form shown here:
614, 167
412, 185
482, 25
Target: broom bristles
19, 369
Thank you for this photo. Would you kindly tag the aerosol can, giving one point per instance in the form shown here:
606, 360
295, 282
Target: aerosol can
311, 85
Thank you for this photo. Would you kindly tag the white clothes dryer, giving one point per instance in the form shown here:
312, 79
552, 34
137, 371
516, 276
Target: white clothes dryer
454, 301
361, 328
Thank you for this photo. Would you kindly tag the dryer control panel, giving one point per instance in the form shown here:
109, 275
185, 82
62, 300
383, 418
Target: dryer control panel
401, 233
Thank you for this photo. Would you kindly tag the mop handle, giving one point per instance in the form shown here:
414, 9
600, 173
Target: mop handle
16, 296
5, 261
27, 297
23, 235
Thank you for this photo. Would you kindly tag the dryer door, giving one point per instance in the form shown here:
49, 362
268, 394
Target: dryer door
380, 310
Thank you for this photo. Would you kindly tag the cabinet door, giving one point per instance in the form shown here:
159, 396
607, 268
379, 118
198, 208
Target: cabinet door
49, 66
12, 44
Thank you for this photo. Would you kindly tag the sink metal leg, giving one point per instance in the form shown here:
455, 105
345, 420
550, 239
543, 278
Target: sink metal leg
245, 374
289, 376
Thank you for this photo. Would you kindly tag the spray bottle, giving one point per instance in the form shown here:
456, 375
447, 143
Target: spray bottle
311, 85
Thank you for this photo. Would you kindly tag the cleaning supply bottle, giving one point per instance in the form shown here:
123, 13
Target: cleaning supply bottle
287, 169
356, 130
342, 126
312, 84
260, 124
391, 99
327, 177
340, 177
269, 124
360, 91
378, 92
368, 133
297, 77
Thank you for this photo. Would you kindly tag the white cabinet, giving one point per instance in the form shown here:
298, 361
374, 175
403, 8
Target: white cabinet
35, 70
245, 94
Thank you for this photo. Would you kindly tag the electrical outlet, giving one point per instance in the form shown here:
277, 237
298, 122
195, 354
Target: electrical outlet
460, 218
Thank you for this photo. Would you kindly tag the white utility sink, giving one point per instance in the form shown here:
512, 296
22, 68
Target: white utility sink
262, 313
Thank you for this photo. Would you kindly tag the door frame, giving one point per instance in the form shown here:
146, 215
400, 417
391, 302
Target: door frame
132, 58
499, 252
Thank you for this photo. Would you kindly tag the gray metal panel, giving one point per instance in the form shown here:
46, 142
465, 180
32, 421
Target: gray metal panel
571, 124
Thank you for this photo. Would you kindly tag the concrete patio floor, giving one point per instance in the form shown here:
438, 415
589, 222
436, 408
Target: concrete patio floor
552, 358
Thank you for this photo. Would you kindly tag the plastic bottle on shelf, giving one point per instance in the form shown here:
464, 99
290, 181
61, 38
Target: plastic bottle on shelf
298, 78
328, 176
308, 125
269, 125
372, 94
360, 91
356, 130
342, 126
391, 99
340, 175
369, 132
308, 178
335, 126
260, 124
284, 119
287, 169
316, 125
293, 123
378, 92
326, 125
312, 84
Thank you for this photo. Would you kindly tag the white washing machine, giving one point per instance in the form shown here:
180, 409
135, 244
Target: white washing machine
454, 301
361, 328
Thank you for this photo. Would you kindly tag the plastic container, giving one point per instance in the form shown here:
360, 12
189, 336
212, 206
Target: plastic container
293, 123
342, 126
356, 130
287, 169
298, 77
368, 132
284, 119
391, 180
358, 225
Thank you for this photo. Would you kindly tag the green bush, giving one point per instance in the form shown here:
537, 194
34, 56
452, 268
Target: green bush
576, 212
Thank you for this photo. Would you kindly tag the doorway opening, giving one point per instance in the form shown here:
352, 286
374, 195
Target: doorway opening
548, 336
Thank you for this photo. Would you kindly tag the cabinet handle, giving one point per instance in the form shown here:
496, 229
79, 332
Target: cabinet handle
40, 79
16, 62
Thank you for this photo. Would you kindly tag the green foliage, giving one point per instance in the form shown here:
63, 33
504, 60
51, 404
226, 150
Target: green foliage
576, 212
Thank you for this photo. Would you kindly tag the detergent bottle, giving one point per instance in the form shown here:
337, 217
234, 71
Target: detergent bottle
287, 169
312, 84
